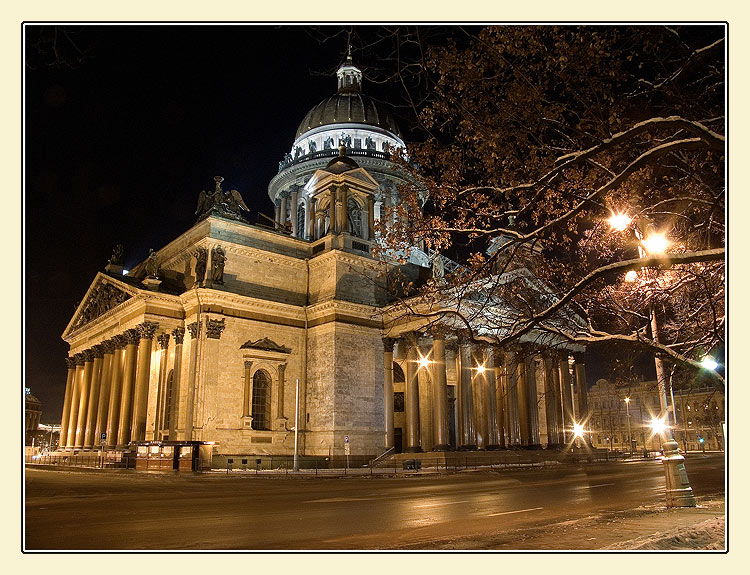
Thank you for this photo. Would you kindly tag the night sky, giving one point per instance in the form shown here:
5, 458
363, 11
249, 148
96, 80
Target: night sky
120, 143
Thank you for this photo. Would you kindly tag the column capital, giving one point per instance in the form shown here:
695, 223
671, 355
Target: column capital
464, 336
97, 351
194, 329
119, 341
147, 329
388, 344
579, 357
79, 359
214, 327
163, 339
410, 338
70, 362
88, 355
179, 335
131, 337
438, 331
248, 364
108, 346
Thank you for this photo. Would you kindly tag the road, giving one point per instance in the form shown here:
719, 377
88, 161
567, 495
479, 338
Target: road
73, 510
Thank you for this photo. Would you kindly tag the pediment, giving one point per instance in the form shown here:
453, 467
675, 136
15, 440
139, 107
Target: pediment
265, 344
104, 295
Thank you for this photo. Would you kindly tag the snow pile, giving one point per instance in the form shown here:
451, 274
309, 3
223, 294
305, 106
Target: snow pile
706, 535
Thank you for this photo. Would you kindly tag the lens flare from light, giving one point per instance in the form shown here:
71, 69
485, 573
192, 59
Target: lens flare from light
577, 429
631, 276
481, 369
709, 363
658, 425
656, 243
619, 222
424, 362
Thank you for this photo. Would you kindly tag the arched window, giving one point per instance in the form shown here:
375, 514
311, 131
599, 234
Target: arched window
398, 374
261, 400
355, 217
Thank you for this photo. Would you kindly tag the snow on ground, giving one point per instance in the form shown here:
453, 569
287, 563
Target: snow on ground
706, 535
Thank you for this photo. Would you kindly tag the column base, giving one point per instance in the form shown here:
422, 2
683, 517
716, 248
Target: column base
412, 450
494, 447
444, 447
534, 446
467, 448
556, 446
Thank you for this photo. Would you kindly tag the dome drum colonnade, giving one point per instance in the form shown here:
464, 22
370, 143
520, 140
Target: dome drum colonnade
511, 398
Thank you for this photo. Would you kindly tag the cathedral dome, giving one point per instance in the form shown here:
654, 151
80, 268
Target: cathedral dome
348, 106
355, 108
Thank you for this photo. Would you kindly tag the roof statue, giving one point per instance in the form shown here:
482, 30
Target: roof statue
226, 204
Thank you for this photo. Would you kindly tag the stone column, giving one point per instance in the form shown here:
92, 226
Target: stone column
440, 390
207, 385
282, 212
174, 401
108, 347
388, 203
567, 397
332, 215
88, 366
512, 424
479, 385
388, 391
91, 409
534, 439
468, 436
276, 212
161, 390
194, 329
517, 379
69, 386
552, 399
412, 395
115, 390
146, 332
581, 389
370, 218
493, 431
75, 402
128, 383
500, 398
247, 397
294, 208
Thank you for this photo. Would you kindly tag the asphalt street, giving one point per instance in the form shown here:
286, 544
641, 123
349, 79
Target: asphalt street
90, 510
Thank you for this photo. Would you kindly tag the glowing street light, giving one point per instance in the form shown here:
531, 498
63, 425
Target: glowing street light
577, 430
630, 436
424, 362
658, 426
655, 243
631, 276
481, 369
709, 363
619, 222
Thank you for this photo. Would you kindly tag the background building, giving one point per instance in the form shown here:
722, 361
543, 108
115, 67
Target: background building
699, 411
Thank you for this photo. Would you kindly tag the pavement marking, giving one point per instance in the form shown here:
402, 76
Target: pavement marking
600, 485
339, 499
438, 504
516, 511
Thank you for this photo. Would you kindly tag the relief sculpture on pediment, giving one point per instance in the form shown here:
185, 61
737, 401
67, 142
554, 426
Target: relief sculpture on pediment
103, 298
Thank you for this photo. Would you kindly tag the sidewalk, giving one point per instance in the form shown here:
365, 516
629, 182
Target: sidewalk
701, 528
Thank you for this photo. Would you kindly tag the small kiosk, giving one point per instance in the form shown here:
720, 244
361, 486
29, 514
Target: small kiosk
173, 455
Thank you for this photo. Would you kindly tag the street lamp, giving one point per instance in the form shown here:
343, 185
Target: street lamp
630, 437
678, 490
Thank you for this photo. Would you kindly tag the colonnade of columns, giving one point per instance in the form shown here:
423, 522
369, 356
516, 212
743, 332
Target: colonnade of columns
504, 398
107, 389
317, 222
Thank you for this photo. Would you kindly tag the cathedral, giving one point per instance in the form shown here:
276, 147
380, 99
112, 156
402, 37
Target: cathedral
235, 336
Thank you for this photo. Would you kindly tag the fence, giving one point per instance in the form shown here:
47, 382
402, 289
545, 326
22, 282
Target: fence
89, 460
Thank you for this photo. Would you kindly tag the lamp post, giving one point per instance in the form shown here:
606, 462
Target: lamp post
678, 490
630, 437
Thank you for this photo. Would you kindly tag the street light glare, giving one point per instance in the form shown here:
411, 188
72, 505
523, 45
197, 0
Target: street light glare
631, 276
709, 363
424, 362
658, 425
656, 244
480, 369
577, 429
619, 222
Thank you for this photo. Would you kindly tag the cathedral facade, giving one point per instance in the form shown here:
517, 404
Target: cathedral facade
237, 335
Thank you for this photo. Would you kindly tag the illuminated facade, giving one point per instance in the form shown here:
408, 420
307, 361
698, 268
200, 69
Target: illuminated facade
222, 333
699, 415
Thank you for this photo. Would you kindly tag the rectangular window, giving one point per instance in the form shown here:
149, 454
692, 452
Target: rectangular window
398, 401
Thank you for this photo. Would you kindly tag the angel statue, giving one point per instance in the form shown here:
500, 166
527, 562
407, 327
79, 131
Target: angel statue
152, 265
